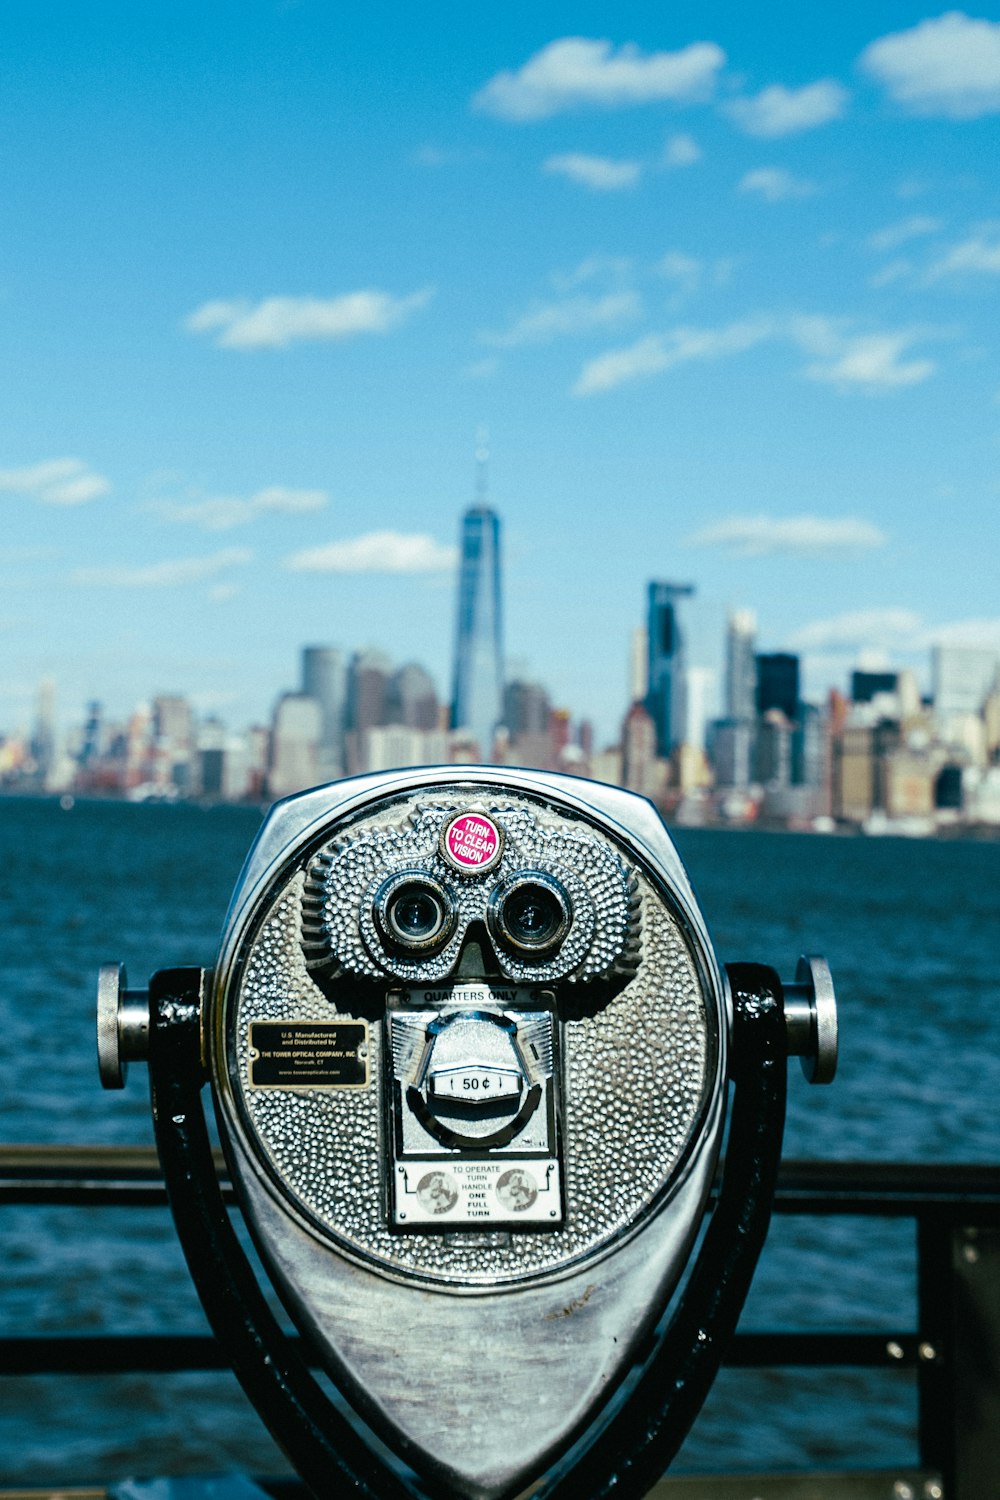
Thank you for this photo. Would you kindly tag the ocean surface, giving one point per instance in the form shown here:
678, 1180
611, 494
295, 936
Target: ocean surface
910, 929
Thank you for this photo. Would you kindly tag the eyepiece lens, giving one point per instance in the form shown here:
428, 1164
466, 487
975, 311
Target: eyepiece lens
531, 915
414, 914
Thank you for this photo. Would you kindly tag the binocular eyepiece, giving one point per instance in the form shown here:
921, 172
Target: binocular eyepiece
472, 1058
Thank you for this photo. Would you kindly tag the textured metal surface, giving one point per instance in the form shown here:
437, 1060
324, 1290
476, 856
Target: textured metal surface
344, 879
298, 824
329, 1453
637, 1067
644, 1434
432, 1335
490, 1388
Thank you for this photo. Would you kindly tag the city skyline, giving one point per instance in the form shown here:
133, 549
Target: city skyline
881, 758
723, 286
324, 667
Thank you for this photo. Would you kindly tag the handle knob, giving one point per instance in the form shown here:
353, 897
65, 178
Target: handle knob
811, 1018
122, 1025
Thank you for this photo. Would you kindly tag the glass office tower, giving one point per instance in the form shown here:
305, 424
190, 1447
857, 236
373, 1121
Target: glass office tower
666, 697
477, 697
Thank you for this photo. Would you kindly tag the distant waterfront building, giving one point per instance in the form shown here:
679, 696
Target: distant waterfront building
324, 678
396, 745
698, 686
666, 692
741, 666
93, 733
368, 690
295, 740
173, 742
43, 741
640, 769
526, 708
560, 732
606, 765
732, 752
638, 665
867, 685
210, 748
778, 684
962, 679
478, 680
773, 749
411, 698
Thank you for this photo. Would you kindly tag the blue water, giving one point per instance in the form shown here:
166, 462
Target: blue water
910, 930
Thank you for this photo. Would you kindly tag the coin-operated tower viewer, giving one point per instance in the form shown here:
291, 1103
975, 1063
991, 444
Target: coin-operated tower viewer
472, 1059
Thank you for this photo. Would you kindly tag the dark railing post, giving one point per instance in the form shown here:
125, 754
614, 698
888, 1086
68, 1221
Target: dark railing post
959, 1356
935, 1348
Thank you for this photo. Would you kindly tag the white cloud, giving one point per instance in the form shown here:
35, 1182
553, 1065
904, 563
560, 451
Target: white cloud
778, 111
276, 322
620, 366
613, 268
913, 228
893, 270
979, 254
682, 269
946, 66
775, 185
875, 635
57, 481
659, 352
377, 552
796, 536
223, 512
578, 72
600, 173
171, 574
859, 629
983, 634
872, 361
546, 321
681, 150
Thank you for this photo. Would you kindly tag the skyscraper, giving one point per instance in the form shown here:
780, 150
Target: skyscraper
962, 678
741, 666
778, 684
368, 689
666, 691
324, 678
411, 698
477, 696
295, 739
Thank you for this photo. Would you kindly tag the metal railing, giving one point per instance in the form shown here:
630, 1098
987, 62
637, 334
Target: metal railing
954, 1352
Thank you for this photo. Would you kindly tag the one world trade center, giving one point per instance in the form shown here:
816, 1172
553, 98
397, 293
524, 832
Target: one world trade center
478, 687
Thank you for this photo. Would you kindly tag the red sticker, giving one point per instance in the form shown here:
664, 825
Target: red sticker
472, 842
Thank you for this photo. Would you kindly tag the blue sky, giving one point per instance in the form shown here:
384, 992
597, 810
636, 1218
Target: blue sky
723, 284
